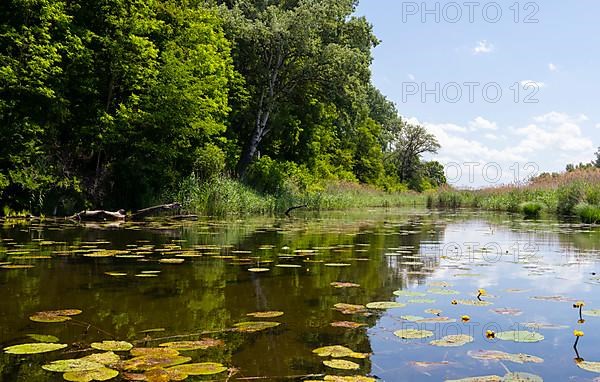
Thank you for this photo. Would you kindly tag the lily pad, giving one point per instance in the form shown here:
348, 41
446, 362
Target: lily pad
112, 346
154, 352
485, 378
351, 378
157, 374
413, 333
421, 301
453, 340
433, 311
474, 302
75, 364
347, 324
349, 308
521, 377
593, 367
507, 311
385, 305
519, 336
101, 374
339, 265
270, 314
442, 291
412, 318
288, 266
341, 364
202, 344
35, 348
258, 270
495, 355
591, 313
436, 320
43, 338
108, 358
51, 316
255, 326
338, 351
147, 362
407, 293
204, 368
543, 325
340, 285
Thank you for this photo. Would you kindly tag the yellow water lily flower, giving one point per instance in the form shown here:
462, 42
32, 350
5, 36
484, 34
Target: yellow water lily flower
490, 334
482, 292
578, 333
466, 318
454, 302
579, 304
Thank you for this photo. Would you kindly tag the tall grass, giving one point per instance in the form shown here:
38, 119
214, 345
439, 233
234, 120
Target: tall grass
574, 193
224, 196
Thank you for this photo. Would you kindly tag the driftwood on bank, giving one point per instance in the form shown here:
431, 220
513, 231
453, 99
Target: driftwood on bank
120, 215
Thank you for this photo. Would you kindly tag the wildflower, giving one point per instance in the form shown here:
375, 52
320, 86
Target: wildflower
578, 333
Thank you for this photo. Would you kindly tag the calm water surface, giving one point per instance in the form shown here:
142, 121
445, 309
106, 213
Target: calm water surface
535, 269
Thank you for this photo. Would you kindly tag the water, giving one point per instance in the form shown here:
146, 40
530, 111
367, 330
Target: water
419, 251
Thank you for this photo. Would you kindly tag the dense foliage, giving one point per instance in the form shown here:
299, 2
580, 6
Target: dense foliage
117, 103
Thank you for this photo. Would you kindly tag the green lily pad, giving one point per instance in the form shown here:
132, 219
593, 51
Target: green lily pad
519, 336
433, 311
51, 316
407, 293
43, 338
204, 368
288, 266
385, 305
338, 351
453, 340
593, 367
147, 362
591, 313
421, 301
258, 270
340, 285
351, 378
116, 274
255, 326
521, 377
413, 333
436, 320
349, 308
485, 378
474, 302
347, 324
507, 311
36, 348
202, 344
75, 364
108, 358
271, 314
442, 291
543, 325
339, 265
341, 364
495, 355
101, 374
411, 318
112, 346
154, 352
158, 374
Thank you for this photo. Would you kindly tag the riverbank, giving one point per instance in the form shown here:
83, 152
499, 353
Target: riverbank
224, 196
575, 193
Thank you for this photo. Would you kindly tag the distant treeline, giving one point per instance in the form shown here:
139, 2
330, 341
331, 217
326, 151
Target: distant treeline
116, 103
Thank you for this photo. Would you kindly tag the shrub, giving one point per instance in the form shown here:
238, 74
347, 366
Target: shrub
531, 209
588, 213
209, 163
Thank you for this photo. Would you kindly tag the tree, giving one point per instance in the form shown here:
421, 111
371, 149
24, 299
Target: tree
412, 142
596, 161
283, 46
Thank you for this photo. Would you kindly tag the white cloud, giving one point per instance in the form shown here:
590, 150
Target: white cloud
536, 84
552, 67
483, 47
481, 123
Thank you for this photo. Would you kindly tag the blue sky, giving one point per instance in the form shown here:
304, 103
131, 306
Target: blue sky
551, 55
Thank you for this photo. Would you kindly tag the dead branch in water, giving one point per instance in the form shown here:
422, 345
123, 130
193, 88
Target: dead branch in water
120, 215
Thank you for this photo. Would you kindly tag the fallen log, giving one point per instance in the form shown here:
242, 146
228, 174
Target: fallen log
120, 215
287, 213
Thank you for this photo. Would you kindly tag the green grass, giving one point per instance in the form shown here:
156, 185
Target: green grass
225, 196
588, 213
532, 210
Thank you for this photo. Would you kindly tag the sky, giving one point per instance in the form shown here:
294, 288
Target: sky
508, 88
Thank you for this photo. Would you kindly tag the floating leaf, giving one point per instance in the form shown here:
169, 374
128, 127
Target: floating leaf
146, 362
442, 291
271, 314
35, 348
75, 364
593, 367
485, 378
288, 266
339, 265
341, 364
43, 337
101, 374
116, 274
591, 313
154, 352
108, 358
406, 293
385, 305
543, 325
422, 301
453, 340
494, 355
412, 318
507, 311
474, 302
258, 270
171, 261
255, 326
202, 344
204, 368
340, 285
338, 351
349, 308
158, 374
347, 324
112, 346
521, 377
413, 333
51, 316
351, 378
16, 266
435, 320
519, 336
433, 311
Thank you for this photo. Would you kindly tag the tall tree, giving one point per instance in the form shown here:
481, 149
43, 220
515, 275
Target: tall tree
412, 142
